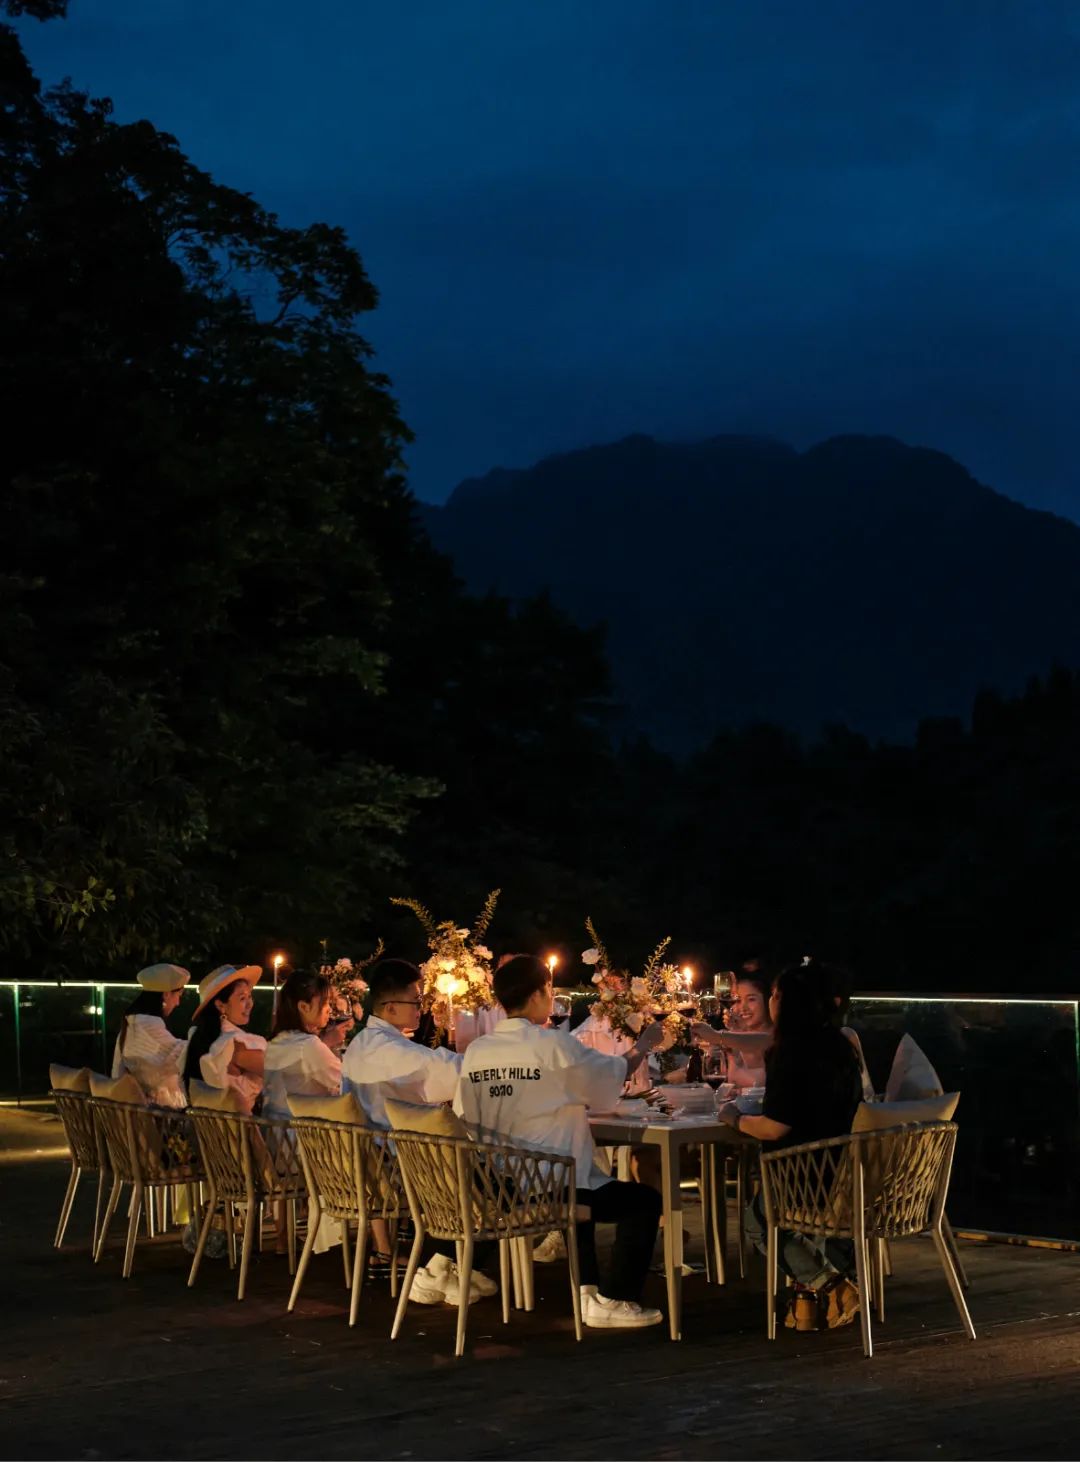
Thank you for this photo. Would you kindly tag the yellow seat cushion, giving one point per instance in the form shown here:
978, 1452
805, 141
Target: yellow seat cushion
69, 1078
121, 1089
872, 1116
432, 1121
329, 1108
216, 1098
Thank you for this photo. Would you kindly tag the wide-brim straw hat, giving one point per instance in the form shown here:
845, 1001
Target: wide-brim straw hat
163, 977
224, 975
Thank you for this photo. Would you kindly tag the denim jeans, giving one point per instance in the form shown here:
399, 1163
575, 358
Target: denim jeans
808, 1260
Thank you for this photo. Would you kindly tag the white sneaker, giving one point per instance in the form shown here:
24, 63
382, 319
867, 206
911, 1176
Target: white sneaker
550, 1249
480, 1287
600, 1313
430, 1283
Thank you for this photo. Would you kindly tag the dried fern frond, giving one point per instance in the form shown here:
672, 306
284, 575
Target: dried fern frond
486, 915
652, 964
376, 954
605, 962
426, 921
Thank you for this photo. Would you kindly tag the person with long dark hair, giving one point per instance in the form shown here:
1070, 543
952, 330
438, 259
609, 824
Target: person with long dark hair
145, 1046
812, 1090
220, 1051
298, 1062
748, 1029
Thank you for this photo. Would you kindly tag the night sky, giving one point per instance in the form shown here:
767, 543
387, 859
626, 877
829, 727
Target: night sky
594, 217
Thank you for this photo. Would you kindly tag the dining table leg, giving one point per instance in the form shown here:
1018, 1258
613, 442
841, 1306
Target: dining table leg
672, 1196
717, 1214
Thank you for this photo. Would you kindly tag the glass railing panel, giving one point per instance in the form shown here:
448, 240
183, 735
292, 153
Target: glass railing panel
1017, 1068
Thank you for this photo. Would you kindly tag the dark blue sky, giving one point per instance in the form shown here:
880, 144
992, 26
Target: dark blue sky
593, 217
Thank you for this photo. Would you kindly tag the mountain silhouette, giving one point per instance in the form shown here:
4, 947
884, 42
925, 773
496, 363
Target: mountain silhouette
862, 581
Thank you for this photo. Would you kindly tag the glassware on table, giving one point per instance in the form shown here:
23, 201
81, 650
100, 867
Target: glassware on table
560, 1010
715, 1074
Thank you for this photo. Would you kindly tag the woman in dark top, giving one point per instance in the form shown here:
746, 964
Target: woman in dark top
812, 1088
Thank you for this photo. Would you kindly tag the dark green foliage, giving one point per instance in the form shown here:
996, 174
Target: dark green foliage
199, 470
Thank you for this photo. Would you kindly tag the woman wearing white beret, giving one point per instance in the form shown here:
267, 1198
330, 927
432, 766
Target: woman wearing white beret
145, 1046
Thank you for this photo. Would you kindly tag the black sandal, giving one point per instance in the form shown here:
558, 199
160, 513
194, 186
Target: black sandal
378, 1265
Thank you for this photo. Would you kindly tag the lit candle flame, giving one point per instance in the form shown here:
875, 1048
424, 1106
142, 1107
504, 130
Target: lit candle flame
552, 961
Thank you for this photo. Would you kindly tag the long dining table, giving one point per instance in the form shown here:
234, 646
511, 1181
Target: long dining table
671, 1135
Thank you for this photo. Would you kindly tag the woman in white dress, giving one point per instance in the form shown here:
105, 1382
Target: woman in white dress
220, 1051
298, 1062
145, 1047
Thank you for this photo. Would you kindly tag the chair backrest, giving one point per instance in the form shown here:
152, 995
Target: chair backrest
903, 1172
247, 1156
76, 1112
905, 1175
351, 1167
490, 1190
146, 1144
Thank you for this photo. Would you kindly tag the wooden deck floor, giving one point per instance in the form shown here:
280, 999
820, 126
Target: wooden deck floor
94, 1367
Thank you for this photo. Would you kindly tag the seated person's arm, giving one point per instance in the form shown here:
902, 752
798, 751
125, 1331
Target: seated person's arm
246, 1060
440, 1073
752, 1043
765, 1129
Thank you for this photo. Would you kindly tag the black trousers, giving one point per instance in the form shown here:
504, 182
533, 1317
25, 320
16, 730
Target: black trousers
634, 1209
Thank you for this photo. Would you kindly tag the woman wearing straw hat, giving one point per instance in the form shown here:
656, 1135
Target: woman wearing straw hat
145, 1046
220, 1051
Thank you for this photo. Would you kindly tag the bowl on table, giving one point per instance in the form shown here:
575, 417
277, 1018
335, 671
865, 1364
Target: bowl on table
750, 1101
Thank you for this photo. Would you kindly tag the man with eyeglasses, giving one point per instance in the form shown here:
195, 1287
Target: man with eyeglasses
380, 1062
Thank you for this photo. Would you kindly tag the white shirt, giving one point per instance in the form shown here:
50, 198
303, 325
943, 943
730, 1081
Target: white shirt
597, 1032
533, 1086
155, 1057
380, 1062
215, 1064
298, 1064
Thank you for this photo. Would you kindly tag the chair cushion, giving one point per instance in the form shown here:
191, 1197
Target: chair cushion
121, 1089
416, 1117
329, 1108
216, 1098
912, 1077
871, 1116
69, 1078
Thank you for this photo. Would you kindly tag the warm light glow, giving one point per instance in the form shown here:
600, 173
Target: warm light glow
687, 973
552, 961
279, 960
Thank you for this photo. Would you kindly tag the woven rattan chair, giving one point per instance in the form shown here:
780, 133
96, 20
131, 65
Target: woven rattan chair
71, 1096
888, 1184
467, 1191
153, 1150
249, 1162
352, 1176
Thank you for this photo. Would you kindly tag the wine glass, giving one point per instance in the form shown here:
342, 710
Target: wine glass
560, 1010
715, 1072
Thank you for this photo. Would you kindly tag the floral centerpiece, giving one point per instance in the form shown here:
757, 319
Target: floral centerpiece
625, 1001
347, 984
457, 975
